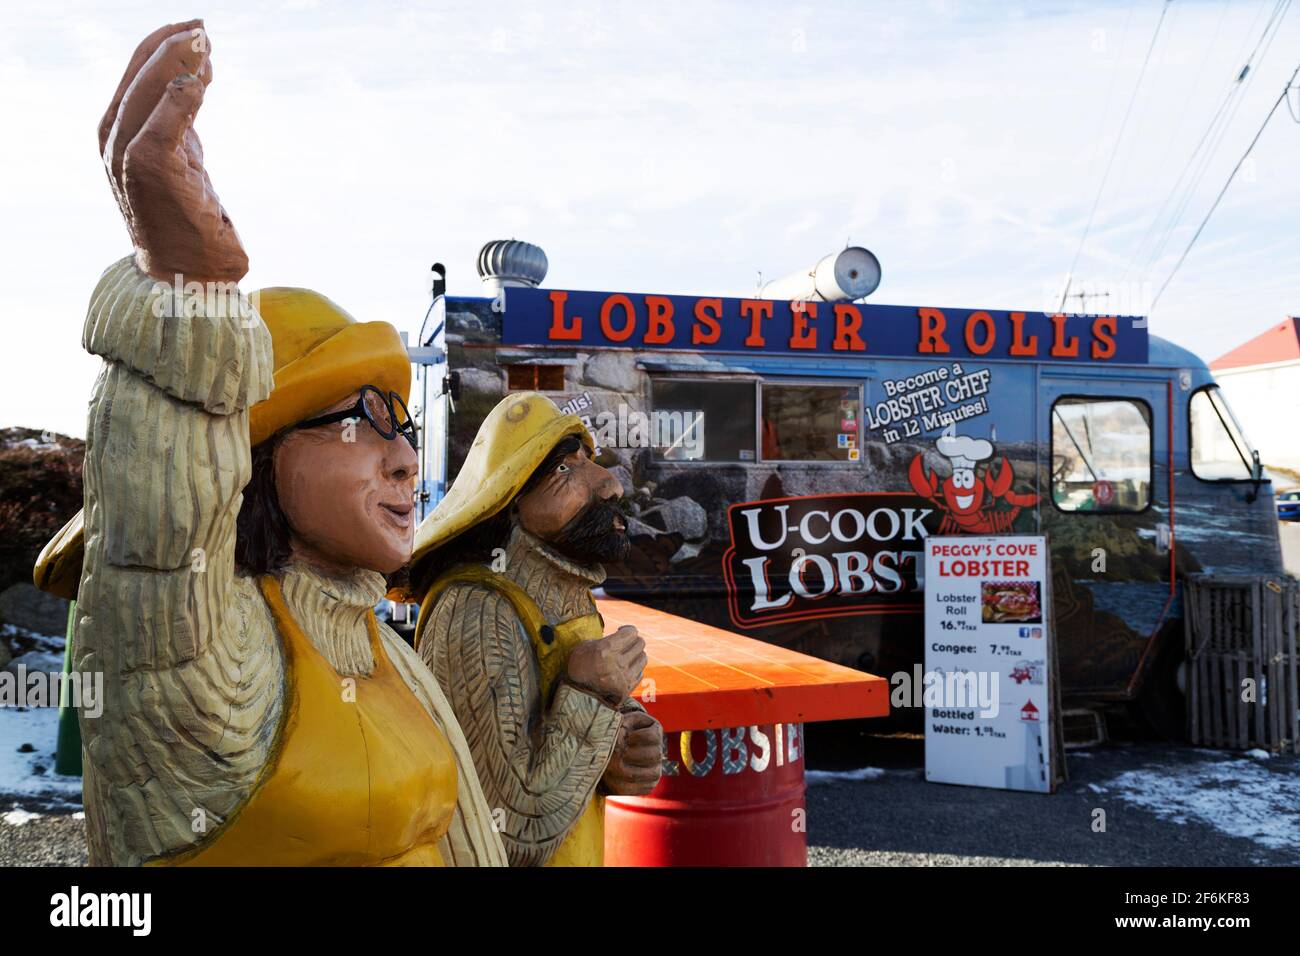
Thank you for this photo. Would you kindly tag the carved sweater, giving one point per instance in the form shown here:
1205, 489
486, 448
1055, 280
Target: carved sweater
539, 761
194, 670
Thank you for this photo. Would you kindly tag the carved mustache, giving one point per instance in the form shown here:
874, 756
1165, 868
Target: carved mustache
593, 535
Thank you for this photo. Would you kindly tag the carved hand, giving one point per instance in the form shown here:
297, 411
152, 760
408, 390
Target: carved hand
634, 769
609, 667
155, 161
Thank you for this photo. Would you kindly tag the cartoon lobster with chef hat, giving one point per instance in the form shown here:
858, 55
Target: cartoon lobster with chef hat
961, 496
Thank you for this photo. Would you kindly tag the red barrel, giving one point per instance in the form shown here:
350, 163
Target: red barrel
728, 797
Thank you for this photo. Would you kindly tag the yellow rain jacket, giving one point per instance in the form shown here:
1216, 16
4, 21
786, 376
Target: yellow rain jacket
245, 721
499, 642
552, 815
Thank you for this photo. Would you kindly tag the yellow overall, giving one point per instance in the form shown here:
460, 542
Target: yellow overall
361, 776
585, 844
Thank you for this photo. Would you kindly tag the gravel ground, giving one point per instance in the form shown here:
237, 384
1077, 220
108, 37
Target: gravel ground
1164, 805
30, 838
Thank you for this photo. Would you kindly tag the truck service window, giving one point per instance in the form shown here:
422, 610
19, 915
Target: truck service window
811, 422
535, 378
702, 420
1101, 455
1220, 451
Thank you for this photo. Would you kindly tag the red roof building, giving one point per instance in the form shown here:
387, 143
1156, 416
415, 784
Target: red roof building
1281, 343
1261, 382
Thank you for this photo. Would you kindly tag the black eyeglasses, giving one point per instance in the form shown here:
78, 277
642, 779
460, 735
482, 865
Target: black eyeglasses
387, 415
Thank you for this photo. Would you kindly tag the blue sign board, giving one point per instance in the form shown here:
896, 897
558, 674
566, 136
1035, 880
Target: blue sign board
565, 318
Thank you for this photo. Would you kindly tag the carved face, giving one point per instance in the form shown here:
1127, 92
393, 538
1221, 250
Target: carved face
572, 509
347, 494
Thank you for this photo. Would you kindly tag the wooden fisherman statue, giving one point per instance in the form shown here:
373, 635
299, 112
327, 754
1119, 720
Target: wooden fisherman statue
248, 485
504, 568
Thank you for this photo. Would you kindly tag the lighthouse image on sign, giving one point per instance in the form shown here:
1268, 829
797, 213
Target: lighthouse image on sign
1032, 774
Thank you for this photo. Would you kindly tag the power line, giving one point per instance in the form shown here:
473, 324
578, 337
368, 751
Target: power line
1276, 103
1237, 95
1197, 163
1141, 243
1271, 29
1119, 138
1151, 99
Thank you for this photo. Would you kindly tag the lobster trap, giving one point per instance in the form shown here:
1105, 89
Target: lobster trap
1241, 638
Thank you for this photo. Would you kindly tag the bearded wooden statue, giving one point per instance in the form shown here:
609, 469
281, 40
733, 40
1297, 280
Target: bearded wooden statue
504, 568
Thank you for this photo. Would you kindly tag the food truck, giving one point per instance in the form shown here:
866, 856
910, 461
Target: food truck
784, 458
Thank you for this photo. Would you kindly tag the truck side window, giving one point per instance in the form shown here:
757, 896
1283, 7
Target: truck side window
811, 422
1219, 449
535, 378
1101, 455
701, 420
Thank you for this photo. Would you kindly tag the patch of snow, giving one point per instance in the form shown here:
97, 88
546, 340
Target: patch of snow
32, 774
1258, 754
16, 817
812, 777
35, 444
1240, 798
13, 630
50, 643
46, 662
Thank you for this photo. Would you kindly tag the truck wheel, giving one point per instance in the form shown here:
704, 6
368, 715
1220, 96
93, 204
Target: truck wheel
1163, 699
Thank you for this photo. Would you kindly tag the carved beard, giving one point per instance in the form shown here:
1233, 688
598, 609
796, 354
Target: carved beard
591, 536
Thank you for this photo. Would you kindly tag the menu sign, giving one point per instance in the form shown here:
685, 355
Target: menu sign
992, 718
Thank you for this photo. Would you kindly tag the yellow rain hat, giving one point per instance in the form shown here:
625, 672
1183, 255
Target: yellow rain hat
515, 437
321, 355
58, 567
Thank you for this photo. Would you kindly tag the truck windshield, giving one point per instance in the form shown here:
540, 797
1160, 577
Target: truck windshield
1219, 449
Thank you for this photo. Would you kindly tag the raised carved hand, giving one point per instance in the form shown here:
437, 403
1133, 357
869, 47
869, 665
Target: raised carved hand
155, 161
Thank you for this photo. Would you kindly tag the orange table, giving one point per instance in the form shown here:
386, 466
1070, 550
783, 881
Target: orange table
733, 709
707, 677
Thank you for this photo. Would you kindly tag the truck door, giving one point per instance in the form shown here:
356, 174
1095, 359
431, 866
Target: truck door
1105, 467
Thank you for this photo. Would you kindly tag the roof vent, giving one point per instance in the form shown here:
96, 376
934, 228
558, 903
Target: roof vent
510, 263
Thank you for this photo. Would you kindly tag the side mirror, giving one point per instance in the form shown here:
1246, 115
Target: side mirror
1256, 475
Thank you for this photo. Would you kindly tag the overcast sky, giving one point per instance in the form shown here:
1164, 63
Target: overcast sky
668, 147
